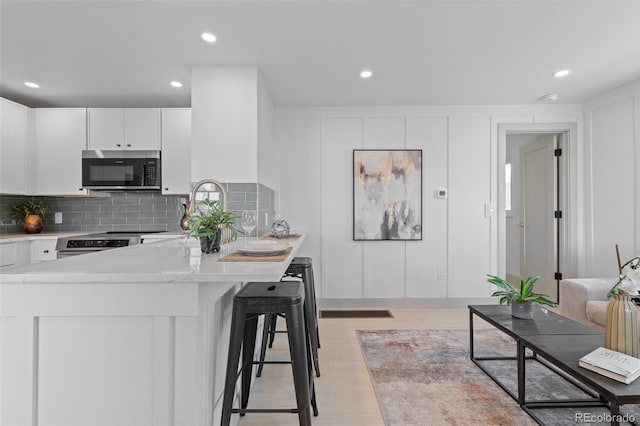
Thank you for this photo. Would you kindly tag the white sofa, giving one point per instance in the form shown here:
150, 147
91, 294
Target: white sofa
585, 300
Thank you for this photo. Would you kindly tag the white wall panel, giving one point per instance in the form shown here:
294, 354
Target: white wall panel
300, 188
614, 193
469, 189
424, 258
342, 257
384, 261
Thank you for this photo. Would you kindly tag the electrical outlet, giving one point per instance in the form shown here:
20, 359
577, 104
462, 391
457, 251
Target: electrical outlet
58, 217
441, 274
266, 219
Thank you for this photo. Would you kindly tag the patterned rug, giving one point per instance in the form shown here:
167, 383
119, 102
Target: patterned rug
425, 377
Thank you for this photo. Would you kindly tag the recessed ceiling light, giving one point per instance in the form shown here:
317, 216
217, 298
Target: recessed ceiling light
209, 37
176, 84
562, 73
31, 84
549, 97
366, 74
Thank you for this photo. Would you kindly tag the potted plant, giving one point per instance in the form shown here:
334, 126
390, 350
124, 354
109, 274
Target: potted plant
30, 212
522, 299
208, 223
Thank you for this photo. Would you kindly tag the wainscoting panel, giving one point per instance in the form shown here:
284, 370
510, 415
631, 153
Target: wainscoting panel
426, 260
342, 257
469, 190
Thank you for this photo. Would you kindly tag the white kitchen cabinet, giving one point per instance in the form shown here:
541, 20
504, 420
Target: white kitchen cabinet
43, 250
15, 153
61, 135
124, 128
176, 150
14, 254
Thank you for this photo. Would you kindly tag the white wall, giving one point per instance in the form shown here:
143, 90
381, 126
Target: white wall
224, 107
267, 153
459, 153
612, 202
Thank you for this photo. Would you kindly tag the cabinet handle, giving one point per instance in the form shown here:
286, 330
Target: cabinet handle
129, 145
46, 251
118, 145
166, 189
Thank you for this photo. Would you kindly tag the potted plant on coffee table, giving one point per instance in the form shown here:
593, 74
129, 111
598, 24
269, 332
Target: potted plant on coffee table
30, 212
207, 224
521, 299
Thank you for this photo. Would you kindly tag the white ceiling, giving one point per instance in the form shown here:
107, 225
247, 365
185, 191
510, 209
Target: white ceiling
422, 52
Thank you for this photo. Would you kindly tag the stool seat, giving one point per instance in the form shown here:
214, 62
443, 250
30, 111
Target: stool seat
255, 299
271, 296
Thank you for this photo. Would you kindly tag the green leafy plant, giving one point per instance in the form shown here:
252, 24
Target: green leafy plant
28, 207
208, 222
510, 294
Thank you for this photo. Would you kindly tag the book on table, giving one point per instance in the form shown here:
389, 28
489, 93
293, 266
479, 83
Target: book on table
615, 365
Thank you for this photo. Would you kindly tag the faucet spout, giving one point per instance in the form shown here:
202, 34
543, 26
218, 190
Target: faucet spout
201, 184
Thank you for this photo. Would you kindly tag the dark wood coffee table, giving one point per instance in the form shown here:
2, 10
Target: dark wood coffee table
558, 343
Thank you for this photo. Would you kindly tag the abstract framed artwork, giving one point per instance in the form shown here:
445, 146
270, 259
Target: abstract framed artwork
387, 194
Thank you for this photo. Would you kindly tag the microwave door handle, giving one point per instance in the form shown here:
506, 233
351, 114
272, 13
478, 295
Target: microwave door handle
144, 175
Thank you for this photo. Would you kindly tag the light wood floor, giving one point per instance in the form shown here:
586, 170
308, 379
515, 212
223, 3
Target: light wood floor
344, 392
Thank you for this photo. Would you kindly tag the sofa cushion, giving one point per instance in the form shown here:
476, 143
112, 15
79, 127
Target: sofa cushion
596, 311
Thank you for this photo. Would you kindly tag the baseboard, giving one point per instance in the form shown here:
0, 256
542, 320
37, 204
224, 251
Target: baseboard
403, 303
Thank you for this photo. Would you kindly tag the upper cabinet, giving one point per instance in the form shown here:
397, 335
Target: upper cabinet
61, 135
124, 128
176, 150
15, 176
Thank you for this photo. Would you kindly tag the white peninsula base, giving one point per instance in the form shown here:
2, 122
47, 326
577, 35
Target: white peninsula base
142, 344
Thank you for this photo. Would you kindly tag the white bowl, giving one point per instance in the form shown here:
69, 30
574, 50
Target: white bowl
263, 244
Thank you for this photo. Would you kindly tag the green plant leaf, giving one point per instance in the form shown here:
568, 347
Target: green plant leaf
509, 294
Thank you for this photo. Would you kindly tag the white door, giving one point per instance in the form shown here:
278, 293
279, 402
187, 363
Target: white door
538, 186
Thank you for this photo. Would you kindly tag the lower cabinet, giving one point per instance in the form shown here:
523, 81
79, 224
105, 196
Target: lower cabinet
15, 254
43, 250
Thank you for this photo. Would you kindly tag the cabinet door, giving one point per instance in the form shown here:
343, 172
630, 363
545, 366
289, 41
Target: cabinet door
142, 128
176, 150
15, 176
61, 135
13, 255
43, 250
106, 128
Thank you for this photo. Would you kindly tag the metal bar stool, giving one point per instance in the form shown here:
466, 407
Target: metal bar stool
301, 268
255, 299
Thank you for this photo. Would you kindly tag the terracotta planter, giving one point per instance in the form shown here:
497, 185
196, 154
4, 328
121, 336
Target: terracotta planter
32, 224
621, 332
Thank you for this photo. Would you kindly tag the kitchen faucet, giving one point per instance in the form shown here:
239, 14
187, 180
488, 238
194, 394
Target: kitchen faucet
192, 197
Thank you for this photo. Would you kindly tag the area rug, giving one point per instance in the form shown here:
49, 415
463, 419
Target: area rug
425, 377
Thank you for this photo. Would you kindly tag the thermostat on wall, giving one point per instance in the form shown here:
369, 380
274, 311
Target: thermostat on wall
441, 193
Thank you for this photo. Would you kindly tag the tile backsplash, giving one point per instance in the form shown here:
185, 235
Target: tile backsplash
136, 211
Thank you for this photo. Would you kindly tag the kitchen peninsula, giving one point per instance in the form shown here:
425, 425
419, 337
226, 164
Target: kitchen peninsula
131, 336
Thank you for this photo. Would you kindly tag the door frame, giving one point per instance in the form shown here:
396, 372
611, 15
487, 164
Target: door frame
568, 179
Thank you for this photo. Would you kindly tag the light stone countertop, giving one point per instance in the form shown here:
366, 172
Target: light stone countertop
10, 238
174, 260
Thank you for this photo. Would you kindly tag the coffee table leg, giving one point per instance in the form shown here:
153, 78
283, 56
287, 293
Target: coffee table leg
471, 335
615, 414
521, 372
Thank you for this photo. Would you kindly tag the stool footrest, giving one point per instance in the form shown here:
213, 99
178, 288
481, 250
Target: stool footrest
270, 362
264, 410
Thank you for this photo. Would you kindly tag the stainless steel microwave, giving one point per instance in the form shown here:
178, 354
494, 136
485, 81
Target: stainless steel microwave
121, 170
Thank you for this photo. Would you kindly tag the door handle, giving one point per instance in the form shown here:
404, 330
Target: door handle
520, 225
